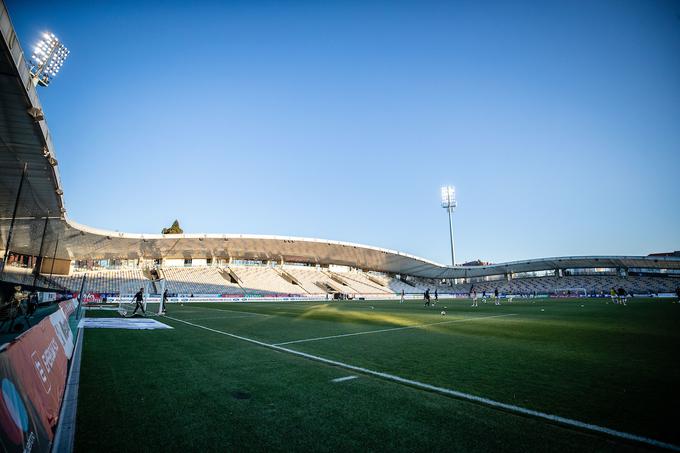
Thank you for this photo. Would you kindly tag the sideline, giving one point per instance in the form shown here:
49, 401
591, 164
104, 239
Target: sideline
454, 393
66, 430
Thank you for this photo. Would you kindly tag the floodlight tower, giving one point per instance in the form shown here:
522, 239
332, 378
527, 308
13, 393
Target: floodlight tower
449, 203
48, 56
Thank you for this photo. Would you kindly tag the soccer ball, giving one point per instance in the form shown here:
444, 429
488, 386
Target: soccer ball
443, 313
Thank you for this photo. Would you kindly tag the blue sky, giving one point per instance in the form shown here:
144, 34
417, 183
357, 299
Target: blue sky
558, 122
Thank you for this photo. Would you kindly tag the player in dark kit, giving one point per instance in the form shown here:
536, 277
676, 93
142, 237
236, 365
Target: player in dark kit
165, 301
426, 296
138, 299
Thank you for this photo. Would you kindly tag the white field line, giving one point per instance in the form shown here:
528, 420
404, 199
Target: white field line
391, 329
206, 318
225, 310
343, 379
455, 393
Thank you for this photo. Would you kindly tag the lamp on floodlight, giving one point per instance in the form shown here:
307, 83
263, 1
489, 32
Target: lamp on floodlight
48, 57
449, 203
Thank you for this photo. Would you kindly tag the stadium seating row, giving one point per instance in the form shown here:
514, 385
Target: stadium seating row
307, 280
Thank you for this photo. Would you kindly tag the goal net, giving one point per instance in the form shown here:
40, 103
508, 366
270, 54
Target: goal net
151, 308
151, 304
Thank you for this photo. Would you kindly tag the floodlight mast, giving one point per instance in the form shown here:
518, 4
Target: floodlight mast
449, 203
48, 57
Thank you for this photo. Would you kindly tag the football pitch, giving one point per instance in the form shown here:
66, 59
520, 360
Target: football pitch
377, 375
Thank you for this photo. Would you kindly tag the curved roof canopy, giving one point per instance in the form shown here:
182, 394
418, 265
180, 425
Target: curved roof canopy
25, 139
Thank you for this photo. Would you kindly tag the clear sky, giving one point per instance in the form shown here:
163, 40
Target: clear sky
558, 122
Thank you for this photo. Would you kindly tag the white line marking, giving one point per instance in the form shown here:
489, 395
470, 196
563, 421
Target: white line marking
455, 393
206, 318
342, 379
414, 326
228, 311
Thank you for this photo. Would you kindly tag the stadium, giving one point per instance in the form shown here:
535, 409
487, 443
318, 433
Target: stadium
284, 343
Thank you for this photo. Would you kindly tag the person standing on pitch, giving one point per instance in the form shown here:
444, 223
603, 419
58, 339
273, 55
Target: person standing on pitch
426, 296
497, 301
622, 295
401, 299
165, 301
436, 297
474, 298
139, 299
613, 296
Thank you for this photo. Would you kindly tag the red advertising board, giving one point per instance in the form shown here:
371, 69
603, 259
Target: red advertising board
68, 307
21, 427
33, 372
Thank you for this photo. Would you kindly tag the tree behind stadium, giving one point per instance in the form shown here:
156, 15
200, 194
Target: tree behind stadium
174, 229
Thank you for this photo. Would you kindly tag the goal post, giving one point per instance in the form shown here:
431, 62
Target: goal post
161, 303
152, 302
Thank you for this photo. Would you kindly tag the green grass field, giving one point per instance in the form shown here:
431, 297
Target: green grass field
194, 388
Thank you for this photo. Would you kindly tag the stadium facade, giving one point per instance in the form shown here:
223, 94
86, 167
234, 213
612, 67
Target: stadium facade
34, 222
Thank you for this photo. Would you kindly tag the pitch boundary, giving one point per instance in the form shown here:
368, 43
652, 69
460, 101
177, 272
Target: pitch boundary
454, 393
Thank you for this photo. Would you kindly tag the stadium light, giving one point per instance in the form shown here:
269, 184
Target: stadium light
48, 57
449, 203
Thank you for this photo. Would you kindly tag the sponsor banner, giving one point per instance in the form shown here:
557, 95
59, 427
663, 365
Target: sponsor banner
33, 372
21, 428
96, 298
63, 332
36, 364
122, 323
91, 298
68, 307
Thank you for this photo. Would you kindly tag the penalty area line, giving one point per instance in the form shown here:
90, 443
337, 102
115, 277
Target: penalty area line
391, 329
207, 318
454, 393
226, 310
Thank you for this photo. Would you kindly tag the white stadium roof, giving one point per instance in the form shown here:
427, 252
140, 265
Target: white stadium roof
25, 138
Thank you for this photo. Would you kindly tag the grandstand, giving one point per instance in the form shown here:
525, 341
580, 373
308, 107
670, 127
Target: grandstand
592, 284
201, 280
238, 281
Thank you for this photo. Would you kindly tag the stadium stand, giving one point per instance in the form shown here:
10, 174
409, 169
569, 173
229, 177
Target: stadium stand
264, 279
312, 280
361, 284
421, 284
199, 280
592, 284
24, 277
127, 281
393, 284
238, 281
